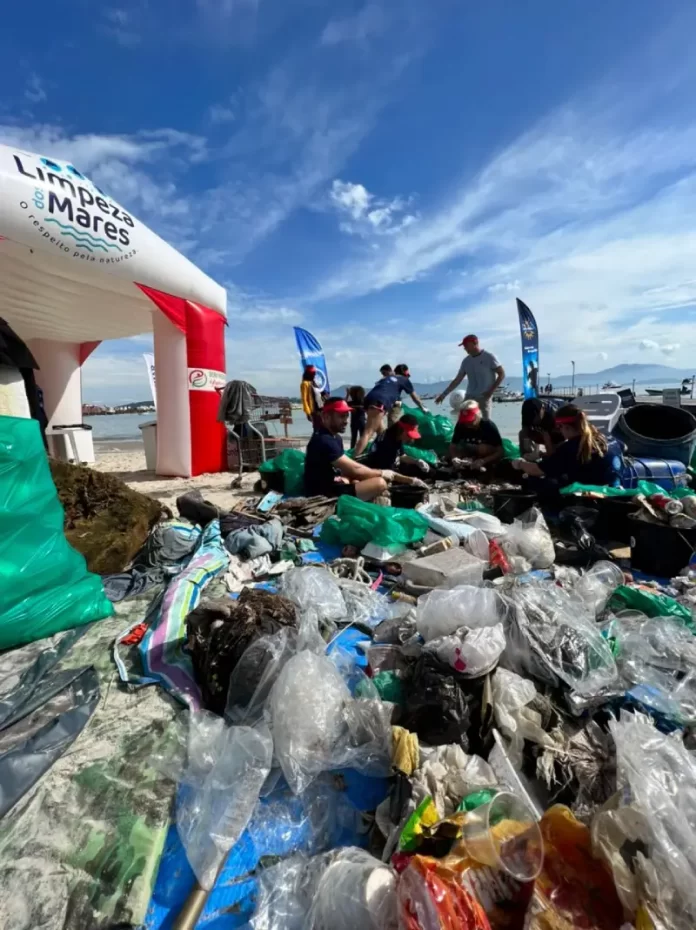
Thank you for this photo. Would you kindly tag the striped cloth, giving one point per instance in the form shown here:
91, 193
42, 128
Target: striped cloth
164, 656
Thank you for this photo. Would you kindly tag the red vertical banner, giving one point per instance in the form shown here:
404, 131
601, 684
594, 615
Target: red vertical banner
205, 342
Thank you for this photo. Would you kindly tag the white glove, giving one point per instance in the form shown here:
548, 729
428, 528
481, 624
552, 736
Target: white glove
425, 410
424, 467
417, 483
517, 464
387, 474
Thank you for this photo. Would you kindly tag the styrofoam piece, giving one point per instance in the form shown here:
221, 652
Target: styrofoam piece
435, 570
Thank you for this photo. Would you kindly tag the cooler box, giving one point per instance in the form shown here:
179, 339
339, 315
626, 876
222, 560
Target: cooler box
602, 410
72, 443
668, 475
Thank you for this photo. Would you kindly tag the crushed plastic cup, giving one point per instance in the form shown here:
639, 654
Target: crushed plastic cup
606, 572
505, 835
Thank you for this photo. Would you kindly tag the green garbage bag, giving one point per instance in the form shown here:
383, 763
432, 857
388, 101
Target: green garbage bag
357, 523
291, 463
510, 450
646, 488
436, 430
652, 605
423, 455
44, 583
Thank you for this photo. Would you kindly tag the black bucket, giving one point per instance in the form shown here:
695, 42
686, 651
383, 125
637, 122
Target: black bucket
508, 505
613, 518
406, 496
661, 550
657, 431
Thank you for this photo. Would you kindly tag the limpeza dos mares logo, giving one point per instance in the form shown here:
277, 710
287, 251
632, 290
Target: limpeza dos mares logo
75, 215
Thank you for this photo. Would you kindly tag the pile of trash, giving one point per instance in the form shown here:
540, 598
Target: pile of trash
530, 727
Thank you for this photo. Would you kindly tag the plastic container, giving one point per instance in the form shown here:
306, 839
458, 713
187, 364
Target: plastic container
149, 433
72, 443
602, 410
658, 431
504, 834
659, 549
667, 474
508, 505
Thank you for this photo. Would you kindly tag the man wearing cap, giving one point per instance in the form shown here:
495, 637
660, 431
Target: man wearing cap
483, 372
329, 471
475, 438
311, 396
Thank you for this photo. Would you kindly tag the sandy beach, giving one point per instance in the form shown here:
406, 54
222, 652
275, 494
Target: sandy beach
127, 462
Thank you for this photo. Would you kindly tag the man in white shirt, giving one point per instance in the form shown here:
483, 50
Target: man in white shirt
483, 372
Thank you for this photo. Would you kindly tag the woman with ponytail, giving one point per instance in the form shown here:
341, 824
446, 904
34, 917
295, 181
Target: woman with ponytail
585, 455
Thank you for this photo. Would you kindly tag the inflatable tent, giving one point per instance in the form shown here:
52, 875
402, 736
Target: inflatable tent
77, 268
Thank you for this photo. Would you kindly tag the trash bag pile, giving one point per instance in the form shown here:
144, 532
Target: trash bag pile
530, 726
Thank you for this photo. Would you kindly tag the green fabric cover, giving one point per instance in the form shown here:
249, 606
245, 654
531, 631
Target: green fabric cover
510, 450
291, 463
646, 488
424, 455
44, 583
436, 430
357, 523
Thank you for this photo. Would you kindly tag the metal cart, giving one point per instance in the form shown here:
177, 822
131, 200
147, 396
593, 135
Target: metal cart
253, 442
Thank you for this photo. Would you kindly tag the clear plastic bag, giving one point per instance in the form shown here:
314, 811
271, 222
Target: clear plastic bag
598, 584
314, 589
443, 611
261, 665
471, 652
660, 776
551, 636
286, 892
529, 538
363, 605
318, 726
214, 808
470, 538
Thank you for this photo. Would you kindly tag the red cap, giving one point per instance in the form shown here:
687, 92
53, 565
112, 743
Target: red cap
469, 413
336, 405
409, 431
469, 338
311, 369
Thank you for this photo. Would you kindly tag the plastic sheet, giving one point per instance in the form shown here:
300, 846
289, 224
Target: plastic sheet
255, 674
214, 807
314, 589
552, 635
363, 605
660, 775
471, 538
317, 726
436, 431
529, 538
447, 774
597, 585
646, 488
44, 583
510, 695
357, 523
470, 652
652, 604
443, 612
421, 455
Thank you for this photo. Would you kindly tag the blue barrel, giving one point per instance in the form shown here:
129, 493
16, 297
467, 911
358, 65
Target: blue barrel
656, 431
668, 475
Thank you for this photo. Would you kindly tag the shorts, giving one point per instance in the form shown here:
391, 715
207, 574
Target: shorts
379, 407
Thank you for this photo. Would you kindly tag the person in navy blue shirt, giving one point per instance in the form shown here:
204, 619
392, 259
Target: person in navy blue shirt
380, 400
585, 455
329, 471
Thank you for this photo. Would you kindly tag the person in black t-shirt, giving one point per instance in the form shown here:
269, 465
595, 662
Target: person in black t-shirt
329, 471
539, 426
387, 450
475, 439
355, 397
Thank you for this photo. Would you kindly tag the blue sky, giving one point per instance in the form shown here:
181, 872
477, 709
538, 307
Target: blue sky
389, 174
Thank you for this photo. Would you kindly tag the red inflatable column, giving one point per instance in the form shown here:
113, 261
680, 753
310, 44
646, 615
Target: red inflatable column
205, 345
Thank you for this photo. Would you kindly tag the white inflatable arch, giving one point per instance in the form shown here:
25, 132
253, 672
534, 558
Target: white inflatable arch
77, 268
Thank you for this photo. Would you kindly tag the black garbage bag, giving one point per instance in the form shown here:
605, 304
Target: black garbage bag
440, 706
219, 632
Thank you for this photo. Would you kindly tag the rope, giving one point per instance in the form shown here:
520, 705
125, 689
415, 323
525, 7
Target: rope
350, 569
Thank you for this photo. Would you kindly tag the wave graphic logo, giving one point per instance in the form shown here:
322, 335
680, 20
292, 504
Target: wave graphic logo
86, 239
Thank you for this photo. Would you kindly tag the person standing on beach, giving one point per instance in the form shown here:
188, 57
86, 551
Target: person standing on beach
483, 372
380, 400
310, 394
355, 396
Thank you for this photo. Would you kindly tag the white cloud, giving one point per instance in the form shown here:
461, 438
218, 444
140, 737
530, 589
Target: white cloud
366, 213
509, 287
35, 91
603, 356
648, 345
221, 113
367, 23
120, 24
670, 349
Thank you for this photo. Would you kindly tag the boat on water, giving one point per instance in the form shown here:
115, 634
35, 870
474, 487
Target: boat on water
611, 386
687, 387
503, 395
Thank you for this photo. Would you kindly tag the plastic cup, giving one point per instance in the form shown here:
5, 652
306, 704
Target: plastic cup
505, 835
607, 573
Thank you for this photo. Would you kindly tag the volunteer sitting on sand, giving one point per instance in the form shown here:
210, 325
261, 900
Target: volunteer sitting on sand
379, 400
387, 450
476, 440
329, 471
539, 426
585, 455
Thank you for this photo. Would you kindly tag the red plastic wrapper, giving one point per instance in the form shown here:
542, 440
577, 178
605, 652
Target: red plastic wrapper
431, 898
